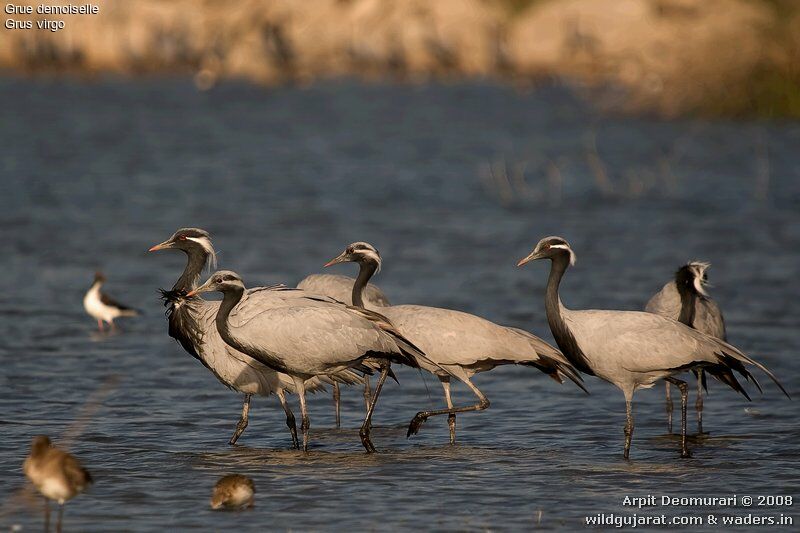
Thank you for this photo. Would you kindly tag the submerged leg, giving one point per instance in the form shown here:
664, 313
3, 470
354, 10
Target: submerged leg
451, 418
46, 515
698, 404
242, 424
366, 427
628, 424
305, 424
669, 408
422, 416
60, 517
337, 404
289, 418
684, 388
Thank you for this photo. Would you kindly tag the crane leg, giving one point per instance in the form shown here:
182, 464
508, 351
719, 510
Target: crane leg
60, 517
684, 388
290, 422
422, 416
366, 427
242, 424
367, 392
46, 515
337, 404
99, 325
305, 423
451, 418
698, 404
628, 424
669, 407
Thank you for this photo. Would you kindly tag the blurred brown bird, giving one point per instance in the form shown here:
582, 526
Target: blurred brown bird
233, 492
56, 474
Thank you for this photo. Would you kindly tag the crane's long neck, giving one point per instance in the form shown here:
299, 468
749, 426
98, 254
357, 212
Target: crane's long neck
365, 272
195, 263
688, 304
561, 332
231, 298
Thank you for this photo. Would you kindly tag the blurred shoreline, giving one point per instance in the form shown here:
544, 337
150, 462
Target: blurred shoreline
668, 57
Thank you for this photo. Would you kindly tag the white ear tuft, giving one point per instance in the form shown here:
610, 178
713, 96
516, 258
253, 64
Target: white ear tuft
206, 244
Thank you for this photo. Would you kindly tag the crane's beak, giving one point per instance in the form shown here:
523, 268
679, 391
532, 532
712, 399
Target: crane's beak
534, 255
163, 246
341, 258
205, 287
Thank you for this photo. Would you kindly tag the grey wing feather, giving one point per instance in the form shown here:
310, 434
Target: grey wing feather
708, 318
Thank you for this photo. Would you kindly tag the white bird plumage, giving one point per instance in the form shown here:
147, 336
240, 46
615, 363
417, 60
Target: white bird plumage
102, 307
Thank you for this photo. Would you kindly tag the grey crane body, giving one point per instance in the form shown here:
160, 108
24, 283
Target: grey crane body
308, 336
341, 288
691, 305
192, 323
457, 344
633, 349
708, 315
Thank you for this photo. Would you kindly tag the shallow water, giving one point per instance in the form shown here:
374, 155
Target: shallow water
94, 174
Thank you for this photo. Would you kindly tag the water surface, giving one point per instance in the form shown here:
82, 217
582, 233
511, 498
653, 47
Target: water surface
94, 174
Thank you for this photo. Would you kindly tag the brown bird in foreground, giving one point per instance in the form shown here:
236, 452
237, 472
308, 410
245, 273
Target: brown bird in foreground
56, 474
233, 492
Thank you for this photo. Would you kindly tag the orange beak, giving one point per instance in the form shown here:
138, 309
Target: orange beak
191, 293
163, 246
341, 258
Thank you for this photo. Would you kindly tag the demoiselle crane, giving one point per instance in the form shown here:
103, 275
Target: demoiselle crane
460, 344
191, 323
703, 314
308, 337
634, 349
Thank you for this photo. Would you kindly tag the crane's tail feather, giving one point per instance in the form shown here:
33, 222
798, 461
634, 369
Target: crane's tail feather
724, 374
557, 370
733, 357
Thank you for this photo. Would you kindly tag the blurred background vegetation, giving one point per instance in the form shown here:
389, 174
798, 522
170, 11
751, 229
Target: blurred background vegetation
713, 58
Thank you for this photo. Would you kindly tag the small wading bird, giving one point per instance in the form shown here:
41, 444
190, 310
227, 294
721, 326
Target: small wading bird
102, 307
233, 492
460, 344
57, 475
340, 288
191, 323
633, 349
308, 337
685, 299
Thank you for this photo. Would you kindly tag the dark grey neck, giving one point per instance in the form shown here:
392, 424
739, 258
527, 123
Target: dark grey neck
230, 300
365, 272
563, 336
688, 304
196, 262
